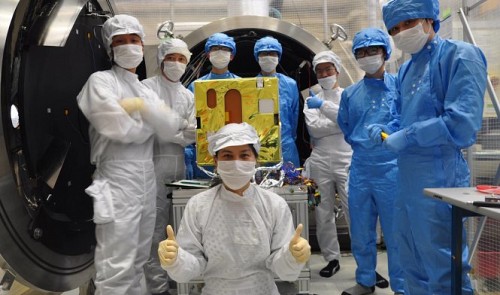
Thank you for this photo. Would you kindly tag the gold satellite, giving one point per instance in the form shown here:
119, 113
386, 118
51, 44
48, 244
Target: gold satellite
251, 100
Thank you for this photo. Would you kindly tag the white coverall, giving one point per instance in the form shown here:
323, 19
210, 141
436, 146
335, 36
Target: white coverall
238, 243
329, 160
169, 165
123, 188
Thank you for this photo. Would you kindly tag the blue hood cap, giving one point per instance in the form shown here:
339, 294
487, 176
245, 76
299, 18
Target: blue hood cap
372, 37
396, 11
221, 39
267, 44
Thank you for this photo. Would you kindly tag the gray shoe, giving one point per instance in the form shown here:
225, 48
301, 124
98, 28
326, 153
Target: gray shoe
359, 290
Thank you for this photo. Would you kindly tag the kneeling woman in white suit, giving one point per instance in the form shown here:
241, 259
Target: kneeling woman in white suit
236, 235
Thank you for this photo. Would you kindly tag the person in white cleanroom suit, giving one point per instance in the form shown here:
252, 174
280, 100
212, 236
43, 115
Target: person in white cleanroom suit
437, 112
237, 235
173, 56
330, 156
123, 115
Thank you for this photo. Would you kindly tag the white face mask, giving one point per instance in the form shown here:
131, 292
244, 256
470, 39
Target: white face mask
220, 58
411, 40
268, 63
236, 174
173, 70
371, 64
128, 56
328, 82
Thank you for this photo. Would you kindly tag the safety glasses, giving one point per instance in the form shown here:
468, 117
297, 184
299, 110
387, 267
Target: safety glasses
367, 51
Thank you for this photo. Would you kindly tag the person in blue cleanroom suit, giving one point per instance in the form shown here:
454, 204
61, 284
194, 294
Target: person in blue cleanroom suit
373, 171
220, 49
437, 112
267, 52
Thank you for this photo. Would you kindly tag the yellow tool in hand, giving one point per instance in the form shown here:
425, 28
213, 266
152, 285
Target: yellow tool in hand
384, 135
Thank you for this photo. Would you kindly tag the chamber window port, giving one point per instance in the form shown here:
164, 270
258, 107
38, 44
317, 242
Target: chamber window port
14, 116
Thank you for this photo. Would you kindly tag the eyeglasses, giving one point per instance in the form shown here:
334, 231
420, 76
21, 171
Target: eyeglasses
223, 48
367, 51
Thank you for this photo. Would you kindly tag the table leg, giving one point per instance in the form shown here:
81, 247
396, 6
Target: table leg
457, 215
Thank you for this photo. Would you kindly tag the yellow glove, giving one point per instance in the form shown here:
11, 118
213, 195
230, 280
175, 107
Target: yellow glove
299, 247
384, 135
132, 104
168, 249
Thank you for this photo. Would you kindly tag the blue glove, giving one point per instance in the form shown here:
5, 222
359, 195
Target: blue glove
375, 130
189, 171
314, 102
397, 141
189, 160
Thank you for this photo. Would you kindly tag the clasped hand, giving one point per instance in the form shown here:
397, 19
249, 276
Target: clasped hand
132, 104
375, 132
395, 142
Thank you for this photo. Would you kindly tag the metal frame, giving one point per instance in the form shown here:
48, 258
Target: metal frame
470, 37
256, 22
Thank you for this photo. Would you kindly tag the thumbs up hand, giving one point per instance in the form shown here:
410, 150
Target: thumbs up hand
314, 102
168, 249
299, 247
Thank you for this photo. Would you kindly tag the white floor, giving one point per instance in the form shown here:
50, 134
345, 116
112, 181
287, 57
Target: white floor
335, 285
342, 280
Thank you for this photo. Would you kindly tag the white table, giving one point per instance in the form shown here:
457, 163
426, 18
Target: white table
461, 200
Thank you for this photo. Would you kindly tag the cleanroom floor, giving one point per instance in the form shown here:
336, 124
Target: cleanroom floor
342, 280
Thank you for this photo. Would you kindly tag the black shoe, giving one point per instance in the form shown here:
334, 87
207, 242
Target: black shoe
382, 246
359, 290
331, 269
381, 282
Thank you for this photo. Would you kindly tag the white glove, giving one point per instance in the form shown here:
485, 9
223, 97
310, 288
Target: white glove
168, 249
299, 247
132, 104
